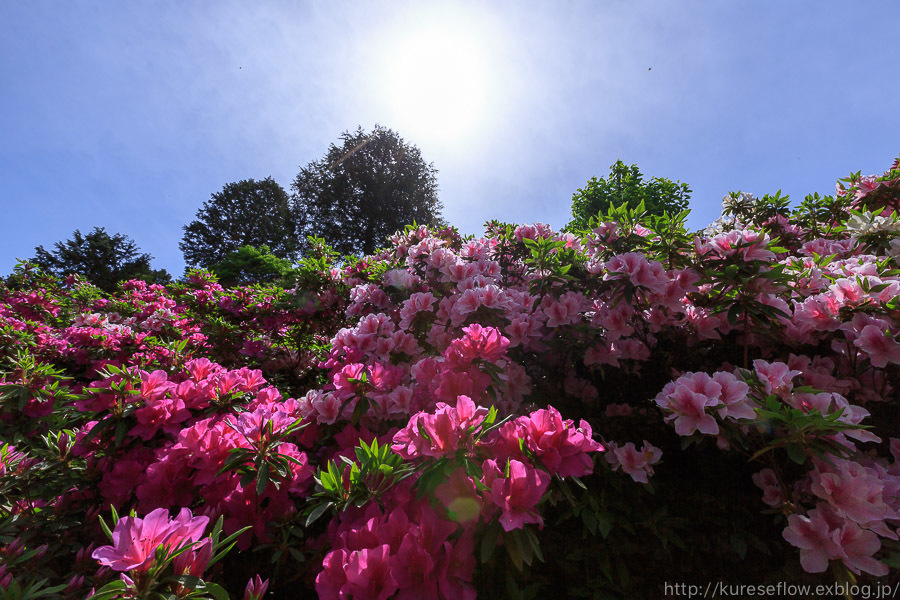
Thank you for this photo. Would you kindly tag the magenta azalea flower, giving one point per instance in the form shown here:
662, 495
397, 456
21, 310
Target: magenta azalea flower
518, 494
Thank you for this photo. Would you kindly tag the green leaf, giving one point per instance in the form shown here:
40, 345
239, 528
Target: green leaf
110, 590
362, 405
106, 530
534, 542
734, 313
217, 591
190, 581
489, 541
739, 545
796, 453
514, 550
262, 479
604, 523
317, 512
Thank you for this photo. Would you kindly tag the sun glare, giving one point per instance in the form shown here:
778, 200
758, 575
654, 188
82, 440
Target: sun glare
435, 84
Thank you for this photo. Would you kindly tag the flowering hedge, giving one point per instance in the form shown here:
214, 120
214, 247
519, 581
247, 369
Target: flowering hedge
589, 414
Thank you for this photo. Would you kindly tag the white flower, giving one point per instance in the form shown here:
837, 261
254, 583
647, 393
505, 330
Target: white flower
894, 250
860, 224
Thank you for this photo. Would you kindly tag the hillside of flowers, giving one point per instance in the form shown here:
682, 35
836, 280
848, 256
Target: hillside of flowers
526, 414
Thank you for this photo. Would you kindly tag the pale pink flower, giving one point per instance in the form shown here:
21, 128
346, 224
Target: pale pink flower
734, 397
637, 464
852, 491
777, 377
767, 481
812, 535
879, 345
687, 399
856, 547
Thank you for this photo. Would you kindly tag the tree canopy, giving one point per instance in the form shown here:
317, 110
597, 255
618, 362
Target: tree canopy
363, 190
102, 259
626, 185
248, 265
245, 213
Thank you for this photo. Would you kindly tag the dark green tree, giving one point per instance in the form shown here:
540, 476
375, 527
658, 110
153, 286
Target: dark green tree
246, 213
102, 259
363, 190
248, 265
626, 185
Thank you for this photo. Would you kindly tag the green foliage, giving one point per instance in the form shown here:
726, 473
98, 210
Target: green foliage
364, 190
550, 260
262, 462
248, 265
757, 211
626, 185
245, 213
102, 259
376, 469
821, 214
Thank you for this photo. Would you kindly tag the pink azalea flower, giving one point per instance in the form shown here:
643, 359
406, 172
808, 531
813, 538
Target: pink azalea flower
734, 397
812, 535
332, 578
777, 377
559, 445
135, 540
879, 345
486, 343
369, 575
852, 491
446, 430
767, 481
517, 494
856, 547
637, 464
460, 496
194, 561
687, 399
456, 568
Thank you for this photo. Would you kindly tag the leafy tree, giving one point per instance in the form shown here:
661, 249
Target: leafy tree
248, 265
363, 190
102, 259
246, 213
626, 185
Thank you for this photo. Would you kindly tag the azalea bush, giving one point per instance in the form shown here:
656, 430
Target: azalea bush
589, 413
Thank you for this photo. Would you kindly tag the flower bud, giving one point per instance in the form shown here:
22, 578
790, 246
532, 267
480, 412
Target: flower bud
74, 584
256, 588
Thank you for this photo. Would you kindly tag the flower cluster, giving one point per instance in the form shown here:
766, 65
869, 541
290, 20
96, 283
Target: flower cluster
377, 423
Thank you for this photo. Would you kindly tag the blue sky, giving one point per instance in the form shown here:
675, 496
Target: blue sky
128, 115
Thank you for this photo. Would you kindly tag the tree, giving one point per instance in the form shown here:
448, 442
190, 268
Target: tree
102, 259
364, 190
626, 184
246, 213
249, 265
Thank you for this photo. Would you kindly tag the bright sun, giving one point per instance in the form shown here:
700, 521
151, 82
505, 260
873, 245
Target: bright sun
435, 84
